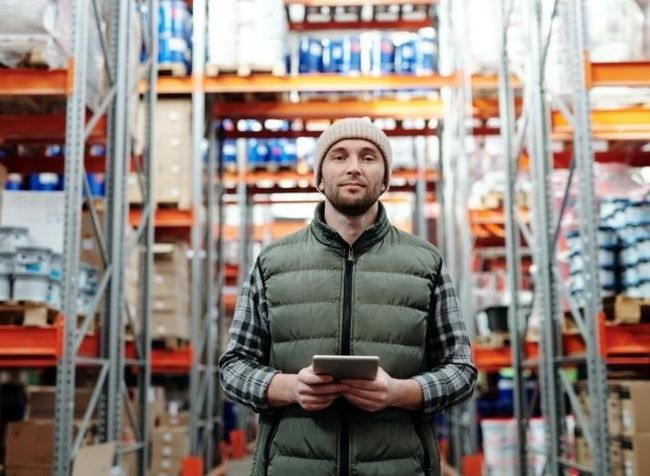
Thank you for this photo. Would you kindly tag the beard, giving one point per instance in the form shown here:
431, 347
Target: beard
352, 205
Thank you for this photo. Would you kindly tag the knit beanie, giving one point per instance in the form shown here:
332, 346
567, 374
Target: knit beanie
354, 128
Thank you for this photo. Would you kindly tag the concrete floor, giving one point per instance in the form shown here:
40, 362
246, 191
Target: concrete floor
240, 467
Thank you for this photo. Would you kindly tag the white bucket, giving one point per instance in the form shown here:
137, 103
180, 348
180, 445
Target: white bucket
88, 278
12, 237
84, 301
31, 287
56, 266
7, 262
54, 294
5, 287
32, 260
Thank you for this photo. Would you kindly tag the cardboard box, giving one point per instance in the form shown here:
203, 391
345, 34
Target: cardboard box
171, 258
583, 453
175, 420
616, 457
94, 460
635, 411
90, 252
41, 402
636, 457
614, 410
165, 324
169, 445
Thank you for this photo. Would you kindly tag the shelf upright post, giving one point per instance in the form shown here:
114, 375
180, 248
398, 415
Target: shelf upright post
147, 241
513, 257
457, 103
196, 304
588, 227
74, 157
544, 251
420, 209
116, 217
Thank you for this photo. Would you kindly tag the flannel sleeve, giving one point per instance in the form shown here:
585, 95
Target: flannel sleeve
243, 368
452, 376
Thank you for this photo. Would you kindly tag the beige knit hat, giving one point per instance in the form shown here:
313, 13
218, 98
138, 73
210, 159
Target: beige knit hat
354, 128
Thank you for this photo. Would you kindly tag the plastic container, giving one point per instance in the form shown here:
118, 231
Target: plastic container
334, 60
406, 57
352, 55
7, 262
88, 278
84, 301
56, 266
33, 260
12, 237
54, 294
5, 287
427, 52
258, 153
31, 287
311, 55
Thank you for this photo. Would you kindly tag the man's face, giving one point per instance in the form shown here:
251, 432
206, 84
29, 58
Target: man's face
352, 176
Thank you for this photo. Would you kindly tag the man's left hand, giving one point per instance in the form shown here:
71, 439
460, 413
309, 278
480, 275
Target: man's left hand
372, 395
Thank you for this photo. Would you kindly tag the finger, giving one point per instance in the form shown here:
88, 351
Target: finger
311, 378
372, 396
328, 389
360, 383
360, 402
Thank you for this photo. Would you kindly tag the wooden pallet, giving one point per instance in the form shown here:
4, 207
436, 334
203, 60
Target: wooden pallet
20, 313
629, 310
178, 70
212, 70
170, 343
493, 341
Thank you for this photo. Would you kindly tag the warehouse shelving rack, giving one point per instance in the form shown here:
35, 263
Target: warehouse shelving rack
65, 345
595, 344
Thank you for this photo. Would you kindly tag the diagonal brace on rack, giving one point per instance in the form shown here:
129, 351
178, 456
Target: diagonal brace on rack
81, 333
94, 399
130, 413
102, 40
577, 408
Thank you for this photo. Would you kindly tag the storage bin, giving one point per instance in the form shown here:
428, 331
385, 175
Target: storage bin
33, 260
12, 237
31, 287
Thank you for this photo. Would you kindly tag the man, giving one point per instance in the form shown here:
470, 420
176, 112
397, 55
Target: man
348, 284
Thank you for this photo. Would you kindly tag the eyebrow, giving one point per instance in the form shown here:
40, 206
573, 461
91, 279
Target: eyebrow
363, 150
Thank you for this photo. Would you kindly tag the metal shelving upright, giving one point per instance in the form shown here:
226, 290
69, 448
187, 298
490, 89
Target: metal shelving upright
535, 129
110, 390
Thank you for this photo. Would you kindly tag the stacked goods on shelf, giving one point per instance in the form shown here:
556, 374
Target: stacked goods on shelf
30, 255
38, 32
370, 53
388, 13
628, 426
499, 445
174, 37
171, 292
246, 36
173, 161
29, 444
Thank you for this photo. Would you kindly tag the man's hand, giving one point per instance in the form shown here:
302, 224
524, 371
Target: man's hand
383, 392
312, 392
316, 392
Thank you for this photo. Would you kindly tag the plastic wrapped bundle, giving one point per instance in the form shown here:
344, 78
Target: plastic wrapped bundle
36, 31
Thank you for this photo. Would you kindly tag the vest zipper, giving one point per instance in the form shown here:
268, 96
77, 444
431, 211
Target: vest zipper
345, 350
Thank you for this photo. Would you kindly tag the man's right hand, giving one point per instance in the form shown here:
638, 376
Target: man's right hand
316, 392
312, 392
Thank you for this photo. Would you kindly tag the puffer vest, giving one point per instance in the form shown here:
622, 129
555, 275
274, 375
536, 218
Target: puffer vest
325, 297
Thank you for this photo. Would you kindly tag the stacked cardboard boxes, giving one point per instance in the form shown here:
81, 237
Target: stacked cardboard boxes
170, 291
628, 425
173, 149
29, 445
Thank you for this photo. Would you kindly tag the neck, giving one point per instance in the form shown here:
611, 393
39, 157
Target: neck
350, 227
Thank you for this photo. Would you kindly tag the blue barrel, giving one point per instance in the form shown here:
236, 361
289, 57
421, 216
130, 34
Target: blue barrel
289, 158
97, 186
334, 56
427, 62
172, 31
386, 55
274, 151
311, 55
164, 31
406, 57
14, 182
229, 152
352, 52
258, 152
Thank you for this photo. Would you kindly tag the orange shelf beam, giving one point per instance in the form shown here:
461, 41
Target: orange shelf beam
381, 108
42, 128
35, 82
609, 124
165, 217
627, 73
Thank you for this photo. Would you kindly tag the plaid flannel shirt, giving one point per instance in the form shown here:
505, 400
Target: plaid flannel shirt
245, 374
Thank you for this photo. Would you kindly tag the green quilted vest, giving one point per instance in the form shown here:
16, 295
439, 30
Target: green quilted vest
371, 299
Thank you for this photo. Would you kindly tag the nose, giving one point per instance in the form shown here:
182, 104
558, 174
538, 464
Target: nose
353, 165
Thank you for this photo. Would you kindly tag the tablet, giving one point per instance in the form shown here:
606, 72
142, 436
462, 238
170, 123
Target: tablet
346, 366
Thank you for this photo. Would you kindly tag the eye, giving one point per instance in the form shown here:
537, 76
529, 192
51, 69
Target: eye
337, 157
369, 158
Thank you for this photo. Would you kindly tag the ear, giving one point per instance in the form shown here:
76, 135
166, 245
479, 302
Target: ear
320, 186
